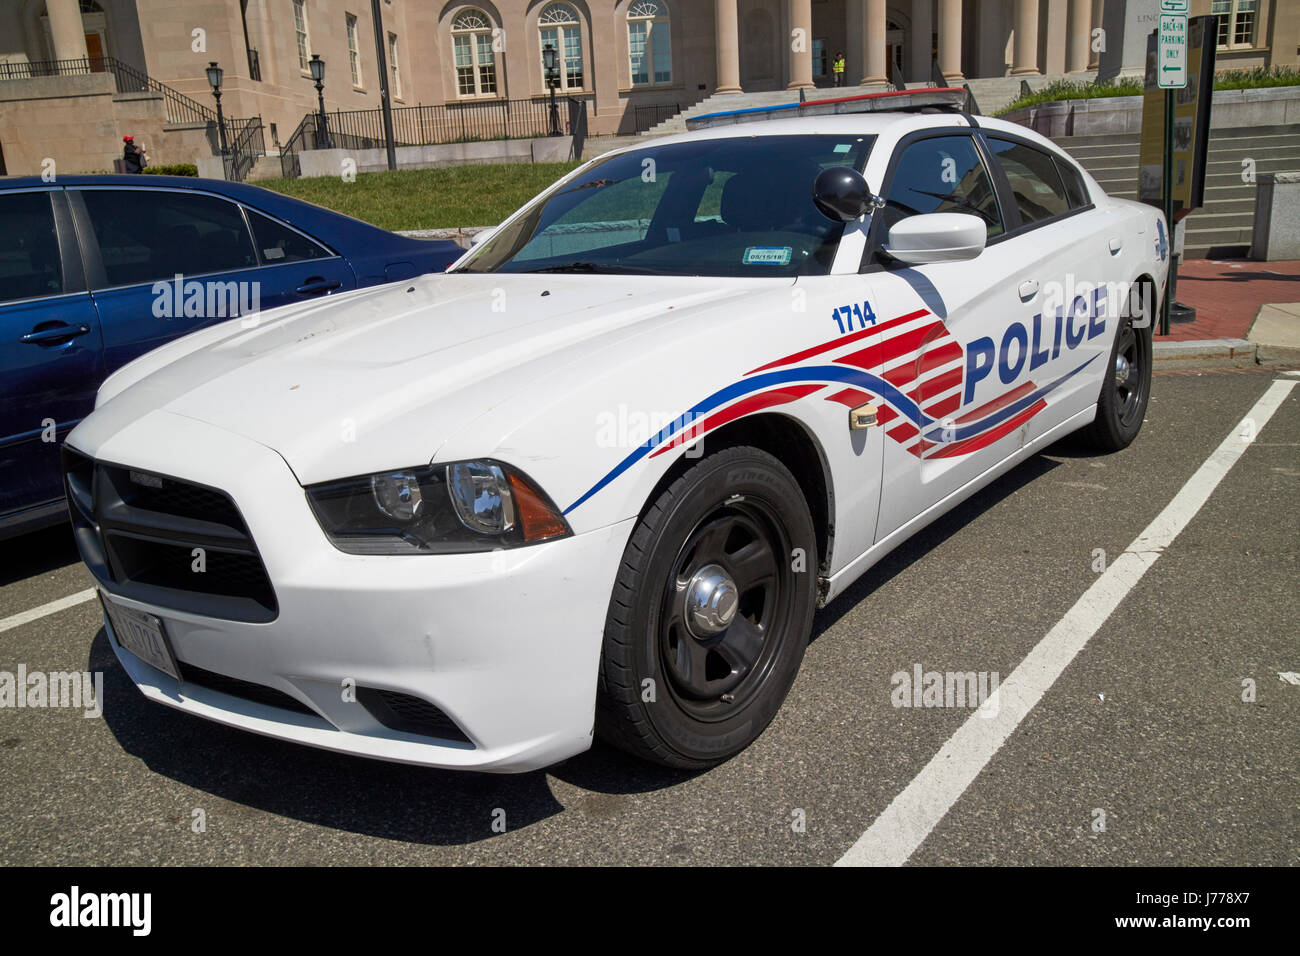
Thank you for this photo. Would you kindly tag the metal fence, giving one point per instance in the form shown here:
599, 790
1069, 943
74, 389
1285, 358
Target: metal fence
180, 108
646, 118
432, 125
245, 143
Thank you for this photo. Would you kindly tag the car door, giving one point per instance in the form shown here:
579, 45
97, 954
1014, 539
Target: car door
1065, 254
296, 266
167, 262
50, 357
958, 414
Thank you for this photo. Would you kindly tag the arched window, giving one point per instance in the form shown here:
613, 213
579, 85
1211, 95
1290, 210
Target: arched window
471, 43
649, 44
559, 28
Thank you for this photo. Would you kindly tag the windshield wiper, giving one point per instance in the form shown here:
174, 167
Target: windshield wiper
596, 267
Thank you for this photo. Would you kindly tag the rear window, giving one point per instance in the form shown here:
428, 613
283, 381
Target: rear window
1073, 180
1035, 182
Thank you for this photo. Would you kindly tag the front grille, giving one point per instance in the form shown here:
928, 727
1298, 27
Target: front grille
165, 541
408, 714
243, 689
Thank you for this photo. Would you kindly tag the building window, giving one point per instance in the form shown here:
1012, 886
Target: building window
649, 43
395, 85
300, 28
354, 54
1236, 22
471, 41
560, 29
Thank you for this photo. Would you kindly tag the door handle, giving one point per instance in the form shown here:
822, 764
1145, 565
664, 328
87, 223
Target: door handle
55, 335
1028, 289
318, 286
1116, 244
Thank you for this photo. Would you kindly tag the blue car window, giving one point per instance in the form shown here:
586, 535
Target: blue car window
278, 243
1035, 182
146, 235
942, 174
29, 247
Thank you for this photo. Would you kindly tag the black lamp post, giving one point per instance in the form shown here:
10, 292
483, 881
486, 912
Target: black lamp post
550, 62
215, 74
317, 67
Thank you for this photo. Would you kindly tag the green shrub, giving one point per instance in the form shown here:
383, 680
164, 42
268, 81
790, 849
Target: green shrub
175, 169
1132, 86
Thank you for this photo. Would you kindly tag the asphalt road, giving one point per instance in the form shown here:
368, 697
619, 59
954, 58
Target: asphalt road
1146, 725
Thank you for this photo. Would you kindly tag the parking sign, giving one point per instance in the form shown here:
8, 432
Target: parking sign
1171, 61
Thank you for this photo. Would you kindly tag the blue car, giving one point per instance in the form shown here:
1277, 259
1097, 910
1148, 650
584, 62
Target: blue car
97, 270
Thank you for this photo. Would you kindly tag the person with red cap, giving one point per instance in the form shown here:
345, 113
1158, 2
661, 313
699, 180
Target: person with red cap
134, 159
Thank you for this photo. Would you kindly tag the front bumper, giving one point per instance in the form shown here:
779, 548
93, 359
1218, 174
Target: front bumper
506, 644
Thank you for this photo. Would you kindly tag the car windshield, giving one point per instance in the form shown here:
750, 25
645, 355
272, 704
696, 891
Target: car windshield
736, 206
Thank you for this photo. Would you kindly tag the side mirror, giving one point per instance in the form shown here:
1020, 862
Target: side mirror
936, 237
841, 193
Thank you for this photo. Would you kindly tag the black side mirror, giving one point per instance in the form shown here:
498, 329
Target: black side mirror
841, 193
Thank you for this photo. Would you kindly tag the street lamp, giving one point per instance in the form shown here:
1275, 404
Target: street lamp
214, 80
317, 67
550, 62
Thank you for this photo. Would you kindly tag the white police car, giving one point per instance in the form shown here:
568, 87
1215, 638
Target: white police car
597, 477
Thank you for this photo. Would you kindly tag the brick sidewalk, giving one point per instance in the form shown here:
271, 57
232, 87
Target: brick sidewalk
1227, 295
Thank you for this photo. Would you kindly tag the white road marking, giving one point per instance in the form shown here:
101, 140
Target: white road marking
54, 607
908, 820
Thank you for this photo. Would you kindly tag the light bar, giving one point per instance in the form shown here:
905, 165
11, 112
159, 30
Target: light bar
941, 97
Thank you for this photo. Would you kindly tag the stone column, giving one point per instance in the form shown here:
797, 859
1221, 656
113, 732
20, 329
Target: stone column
873, 40
922, 28
1094, 56
65, 29
1078, 39
950, 41
1024, 56
801, 62
727, 42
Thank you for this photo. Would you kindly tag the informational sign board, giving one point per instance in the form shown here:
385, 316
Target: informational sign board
1191, 121
1171, 51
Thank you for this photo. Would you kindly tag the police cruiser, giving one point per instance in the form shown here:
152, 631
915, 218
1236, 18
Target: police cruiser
597, 478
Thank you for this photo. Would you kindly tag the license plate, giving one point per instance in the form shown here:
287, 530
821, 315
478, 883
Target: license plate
142, 634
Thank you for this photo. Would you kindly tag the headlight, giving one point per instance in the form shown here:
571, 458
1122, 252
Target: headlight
466, 506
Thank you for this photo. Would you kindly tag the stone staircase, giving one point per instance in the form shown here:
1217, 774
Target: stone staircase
1222, 228
991, 95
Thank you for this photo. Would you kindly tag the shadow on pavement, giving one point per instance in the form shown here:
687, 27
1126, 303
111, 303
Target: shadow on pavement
37, 552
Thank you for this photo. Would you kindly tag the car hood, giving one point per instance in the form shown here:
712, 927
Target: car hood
381, 377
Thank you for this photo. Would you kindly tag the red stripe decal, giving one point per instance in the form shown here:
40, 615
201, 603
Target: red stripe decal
936, 386
948, 405
851, 397
841, 340
890, 349
1020, 391
753, 403
989, 437
940, 356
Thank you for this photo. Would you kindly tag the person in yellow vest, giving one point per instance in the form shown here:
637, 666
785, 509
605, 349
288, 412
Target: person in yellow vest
837, 67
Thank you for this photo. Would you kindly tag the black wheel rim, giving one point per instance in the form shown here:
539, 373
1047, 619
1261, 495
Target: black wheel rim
1130, 380
713, 675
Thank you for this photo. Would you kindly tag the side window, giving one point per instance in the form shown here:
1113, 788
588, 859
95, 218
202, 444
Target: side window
942, 174
1074, 187
29, 247
277, 243
146, 235
1035, 183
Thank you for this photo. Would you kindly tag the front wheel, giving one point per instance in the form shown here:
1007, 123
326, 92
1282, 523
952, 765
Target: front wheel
710, 614
1125, 390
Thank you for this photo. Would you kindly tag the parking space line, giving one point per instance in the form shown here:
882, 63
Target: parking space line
895, 835
54, 607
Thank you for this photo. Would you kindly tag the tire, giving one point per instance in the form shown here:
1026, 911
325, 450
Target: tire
682, 682
1125, 390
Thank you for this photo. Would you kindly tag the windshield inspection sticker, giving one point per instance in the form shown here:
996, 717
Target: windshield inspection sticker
767, 256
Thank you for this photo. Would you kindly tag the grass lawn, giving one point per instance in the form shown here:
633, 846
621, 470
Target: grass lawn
1228, 80
478, 195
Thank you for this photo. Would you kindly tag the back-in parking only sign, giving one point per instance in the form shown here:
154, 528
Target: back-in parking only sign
1171, 52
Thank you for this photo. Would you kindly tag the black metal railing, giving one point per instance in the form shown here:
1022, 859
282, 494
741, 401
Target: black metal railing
180, 108
245, 143
428, 126
646, 118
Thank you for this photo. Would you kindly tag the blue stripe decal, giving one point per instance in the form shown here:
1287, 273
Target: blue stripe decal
1002, 414
846, 375
751, 109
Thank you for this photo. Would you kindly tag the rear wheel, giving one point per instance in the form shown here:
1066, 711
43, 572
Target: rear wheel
1125, 390
710, 614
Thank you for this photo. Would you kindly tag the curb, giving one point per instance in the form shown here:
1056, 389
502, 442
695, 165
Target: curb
1204, 353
